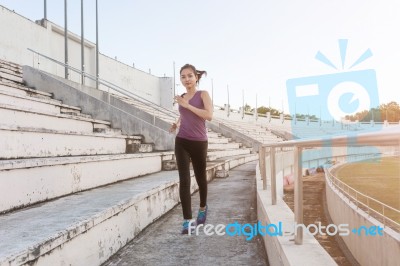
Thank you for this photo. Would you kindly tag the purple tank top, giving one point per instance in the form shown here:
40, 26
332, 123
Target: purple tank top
192, 126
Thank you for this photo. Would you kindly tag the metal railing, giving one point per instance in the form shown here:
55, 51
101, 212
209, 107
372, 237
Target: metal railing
368, 204
383, 138
111, 86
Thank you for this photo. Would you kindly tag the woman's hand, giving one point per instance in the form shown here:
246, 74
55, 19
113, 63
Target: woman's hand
182, 101
173, 128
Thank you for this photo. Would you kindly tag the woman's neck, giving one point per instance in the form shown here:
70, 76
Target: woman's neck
191, 91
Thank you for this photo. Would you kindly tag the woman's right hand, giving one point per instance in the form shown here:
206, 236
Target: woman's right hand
173, 128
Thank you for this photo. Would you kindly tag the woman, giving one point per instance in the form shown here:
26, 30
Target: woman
191, 143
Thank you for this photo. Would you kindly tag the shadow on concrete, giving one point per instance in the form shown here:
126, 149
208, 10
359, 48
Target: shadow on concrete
231, 199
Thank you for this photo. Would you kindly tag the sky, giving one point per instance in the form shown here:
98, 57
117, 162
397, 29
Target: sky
249, 48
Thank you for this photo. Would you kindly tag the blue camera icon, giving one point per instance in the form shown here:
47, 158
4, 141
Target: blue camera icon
333, 96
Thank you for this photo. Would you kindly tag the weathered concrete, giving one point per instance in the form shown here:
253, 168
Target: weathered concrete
22, 90
79, 229
316, 212
230, 200
17, 143
27, 118
29, 181
122, 115
213, 155
87, 228
234, 134
369, 250
281, 249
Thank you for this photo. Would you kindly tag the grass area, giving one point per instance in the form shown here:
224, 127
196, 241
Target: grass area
378, 179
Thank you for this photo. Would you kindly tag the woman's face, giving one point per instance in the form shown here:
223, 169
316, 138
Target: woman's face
188, 78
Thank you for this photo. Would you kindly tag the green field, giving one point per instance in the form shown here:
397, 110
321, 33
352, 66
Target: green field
378, 179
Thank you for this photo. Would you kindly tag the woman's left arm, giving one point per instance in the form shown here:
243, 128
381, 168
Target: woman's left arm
206, 113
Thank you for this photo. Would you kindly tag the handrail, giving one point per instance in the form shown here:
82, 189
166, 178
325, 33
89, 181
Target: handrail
111, 85
387, 137
333, 179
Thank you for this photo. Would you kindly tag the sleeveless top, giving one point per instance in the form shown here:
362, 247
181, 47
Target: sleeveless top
193, 127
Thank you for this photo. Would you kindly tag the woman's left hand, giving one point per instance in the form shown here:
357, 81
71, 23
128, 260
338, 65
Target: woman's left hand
182, 101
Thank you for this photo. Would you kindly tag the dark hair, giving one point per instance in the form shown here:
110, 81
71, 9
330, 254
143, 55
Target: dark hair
198, 73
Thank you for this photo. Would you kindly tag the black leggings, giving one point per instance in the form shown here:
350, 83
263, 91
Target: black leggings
197, 152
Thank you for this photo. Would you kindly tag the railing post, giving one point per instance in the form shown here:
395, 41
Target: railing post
298, 195
263, 172
272, 153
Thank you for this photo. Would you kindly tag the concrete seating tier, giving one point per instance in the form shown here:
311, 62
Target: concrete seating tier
251, 129
87, 228
29, 181
73, 190
49, 149
170, 118
219, 146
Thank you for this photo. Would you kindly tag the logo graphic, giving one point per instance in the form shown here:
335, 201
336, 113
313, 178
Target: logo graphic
331, 97
328, 99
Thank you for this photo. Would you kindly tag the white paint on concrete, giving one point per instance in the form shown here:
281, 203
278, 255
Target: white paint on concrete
87, 228
22, 187
27, 144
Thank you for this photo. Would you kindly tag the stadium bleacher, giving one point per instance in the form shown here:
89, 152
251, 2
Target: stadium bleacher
65, 176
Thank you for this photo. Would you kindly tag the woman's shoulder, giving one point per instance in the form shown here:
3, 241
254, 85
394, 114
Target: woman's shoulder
203, 92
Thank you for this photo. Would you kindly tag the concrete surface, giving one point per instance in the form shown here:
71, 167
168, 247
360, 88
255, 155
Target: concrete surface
129, 119
230, 200
282, 250
33, 225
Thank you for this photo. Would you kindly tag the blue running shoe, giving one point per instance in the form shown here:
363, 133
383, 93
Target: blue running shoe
185, 227
202, 216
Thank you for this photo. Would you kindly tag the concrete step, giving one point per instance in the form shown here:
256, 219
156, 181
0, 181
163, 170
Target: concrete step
217, 140
11, 70
28, 118
42, 105
89, 227
9, 75
236, 205
86, 228
135, 144
107, 130
214, 155
24, 182
224, 146
24, 91
212, 134
17, 142
10, 65
148, 109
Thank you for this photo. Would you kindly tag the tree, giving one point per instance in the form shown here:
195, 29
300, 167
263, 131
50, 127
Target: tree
389, 112
247, 108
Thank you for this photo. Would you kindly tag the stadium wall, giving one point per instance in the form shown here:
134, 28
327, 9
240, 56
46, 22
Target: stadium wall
367, 249
45, 37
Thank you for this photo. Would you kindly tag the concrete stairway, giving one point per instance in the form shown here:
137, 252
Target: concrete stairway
253, 130
49, 149
73, 190
218, 147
